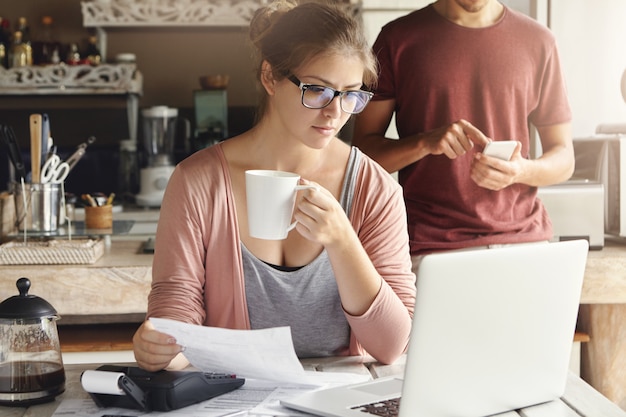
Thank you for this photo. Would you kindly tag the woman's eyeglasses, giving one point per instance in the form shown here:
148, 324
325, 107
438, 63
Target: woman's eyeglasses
318, 97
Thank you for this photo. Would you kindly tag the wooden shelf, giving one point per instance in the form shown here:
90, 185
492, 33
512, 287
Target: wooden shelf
161, 13
62, 79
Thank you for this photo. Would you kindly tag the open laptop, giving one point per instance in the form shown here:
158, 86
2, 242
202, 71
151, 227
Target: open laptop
492, 332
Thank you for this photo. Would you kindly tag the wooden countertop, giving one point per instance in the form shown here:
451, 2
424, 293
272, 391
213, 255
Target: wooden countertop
605, 274
115, 288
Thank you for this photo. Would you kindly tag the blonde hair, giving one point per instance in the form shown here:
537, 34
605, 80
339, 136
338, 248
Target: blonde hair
288, 35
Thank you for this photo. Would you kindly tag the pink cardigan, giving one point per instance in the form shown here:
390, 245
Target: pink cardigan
197, 270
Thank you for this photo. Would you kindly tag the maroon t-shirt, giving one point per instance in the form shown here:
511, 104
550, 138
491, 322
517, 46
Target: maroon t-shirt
500, 79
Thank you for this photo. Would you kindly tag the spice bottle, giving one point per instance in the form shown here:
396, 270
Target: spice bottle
93, 53
5, 43
45, 44
73, 57
21, 53
22, 26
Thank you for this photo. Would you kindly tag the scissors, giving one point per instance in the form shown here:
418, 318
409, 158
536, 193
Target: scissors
54, 171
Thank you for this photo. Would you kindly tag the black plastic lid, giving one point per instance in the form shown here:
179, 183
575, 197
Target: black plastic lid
25, 306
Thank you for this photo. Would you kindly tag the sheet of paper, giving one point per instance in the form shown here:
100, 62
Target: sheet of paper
87, 408
261, 354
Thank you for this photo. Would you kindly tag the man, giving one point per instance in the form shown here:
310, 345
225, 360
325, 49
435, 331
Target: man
459, 74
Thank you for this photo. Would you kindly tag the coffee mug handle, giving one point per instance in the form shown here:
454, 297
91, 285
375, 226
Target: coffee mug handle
298, 188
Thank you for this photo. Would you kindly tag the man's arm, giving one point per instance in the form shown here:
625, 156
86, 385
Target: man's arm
556, 164
369, 135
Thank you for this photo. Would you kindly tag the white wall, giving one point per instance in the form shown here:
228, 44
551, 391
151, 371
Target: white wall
376, 13
592, 41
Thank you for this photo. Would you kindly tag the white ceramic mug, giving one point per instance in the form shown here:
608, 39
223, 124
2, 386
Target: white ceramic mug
271, 196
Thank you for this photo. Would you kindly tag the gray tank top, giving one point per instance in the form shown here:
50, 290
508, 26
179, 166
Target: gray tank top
304, 298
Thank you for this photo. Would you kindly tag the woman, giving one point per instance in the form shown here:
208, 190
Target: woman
342, 278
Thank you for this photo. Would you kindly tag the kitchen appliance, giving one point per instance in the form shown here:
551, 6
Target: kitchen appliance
31, 366
159, 131
576, 209
602, 158
211, 113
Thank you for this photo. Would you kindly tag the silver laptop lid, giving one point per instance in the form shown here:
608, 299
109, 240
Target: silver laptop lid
492, 329
492, 332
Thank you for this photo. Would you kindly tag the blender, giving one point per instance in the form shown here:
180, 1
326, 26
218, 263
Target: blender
159, 129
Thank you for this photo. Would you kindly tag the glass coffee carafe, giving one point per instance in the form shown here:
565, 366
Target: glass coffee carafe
31, 365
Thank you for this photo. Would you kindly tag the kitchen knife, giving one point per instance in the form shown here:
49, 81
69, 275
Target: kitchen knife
35, 147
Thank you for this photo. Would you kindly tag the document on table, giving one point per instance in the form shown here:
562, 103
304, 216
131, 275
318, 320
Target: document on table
254, 398
261, 354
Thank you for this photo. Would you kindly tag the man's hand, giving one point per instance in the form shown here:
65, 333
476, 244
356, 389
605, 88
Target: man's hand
454, 140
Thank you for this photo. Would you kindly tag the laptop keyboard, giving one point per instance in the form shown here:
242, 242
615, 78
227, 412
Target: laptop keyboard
384, 408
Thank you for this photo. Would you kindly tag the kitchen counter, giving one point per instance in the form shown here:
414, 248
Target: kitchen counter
113, 289
118, 283
603, 317
144, 221
605, 274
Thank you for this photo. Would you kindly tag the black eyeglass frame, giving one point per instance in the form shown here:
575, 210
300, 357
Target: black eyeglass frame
303, 87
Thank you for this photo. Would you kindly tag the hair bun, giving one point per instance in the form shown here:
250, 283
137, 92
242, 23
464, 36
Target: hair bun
265, 17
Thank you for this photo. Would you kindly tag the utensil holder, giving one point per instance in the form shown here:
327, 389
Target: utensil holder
37, 206
99, 217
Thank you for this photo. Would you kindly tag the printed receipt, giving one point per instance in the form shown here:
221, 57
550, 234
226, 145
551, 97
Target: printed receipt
262, 354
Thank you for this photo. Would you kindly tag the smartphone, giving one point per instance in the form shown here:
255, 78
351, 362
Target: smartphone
501, 149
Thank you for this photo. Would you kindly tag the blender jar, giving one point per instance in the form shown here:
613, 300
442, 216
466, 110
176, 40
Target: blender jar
159, 130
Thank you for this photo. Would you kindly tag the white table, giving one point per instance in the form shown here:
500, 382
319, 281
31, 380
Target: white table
580, 399
115, 289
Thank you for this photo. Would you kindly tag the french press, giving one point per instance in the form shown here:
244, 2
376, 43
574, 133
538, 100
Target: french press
31, 365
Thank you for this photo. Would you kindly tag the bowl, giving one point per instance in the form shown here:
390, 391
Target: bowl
214, 82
